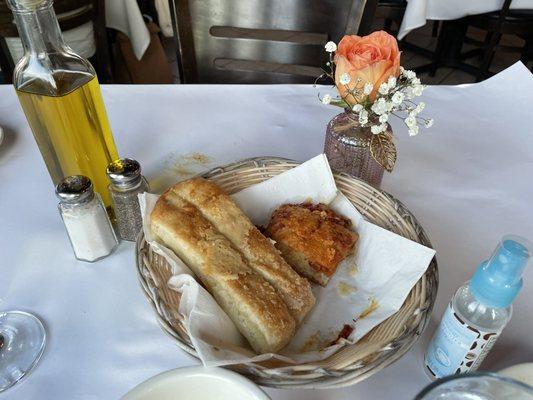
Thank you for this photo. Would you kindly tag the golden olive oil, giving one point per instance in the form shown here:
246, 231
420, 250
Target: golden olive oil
72, 131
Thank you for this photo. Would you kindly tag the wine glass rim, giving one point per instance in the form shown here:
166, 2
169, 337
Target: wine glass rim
469, 375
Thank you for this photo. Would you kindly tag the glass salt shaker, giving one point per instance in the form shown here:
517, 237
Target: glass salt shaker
90, 232
126, 183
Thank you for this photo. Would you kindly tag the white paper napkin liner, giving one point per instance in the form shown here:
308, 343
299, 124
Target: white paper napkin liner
314, 182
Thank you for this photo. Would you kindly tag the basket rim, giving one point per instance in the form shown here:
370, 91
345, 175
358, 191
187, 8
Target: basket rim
327, 380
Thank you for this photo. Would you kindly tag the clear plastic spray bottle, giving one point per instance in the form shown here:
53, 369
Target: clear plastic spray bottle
478, 311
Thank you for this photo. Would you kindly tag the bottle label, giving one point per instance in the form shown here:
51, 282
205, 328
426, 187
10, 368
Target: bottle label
457, 347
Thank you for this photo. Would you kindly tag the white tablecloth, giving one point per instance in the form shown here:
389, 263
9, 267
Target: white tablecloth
122, 15
468, 180
419, 11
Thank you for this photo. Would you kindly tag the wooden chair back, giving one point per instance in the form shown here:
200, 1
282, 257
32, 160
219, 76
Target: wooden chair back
71, 14
75, 13
389, 10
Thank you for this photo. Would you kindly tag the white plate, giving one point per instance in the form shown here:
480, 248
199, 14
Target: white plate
197, 383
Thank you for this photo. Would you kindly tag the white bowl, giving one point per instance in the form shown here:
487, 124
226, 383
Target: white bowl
520, 372
197, 383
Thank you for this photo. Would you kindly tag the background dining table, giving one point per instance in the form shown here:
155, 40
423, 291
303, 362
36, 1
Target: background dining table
418, 12
467, 180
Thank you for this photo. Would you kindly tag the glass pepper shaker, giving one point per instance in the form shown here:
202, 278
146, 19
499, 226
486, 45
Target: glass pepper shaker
126, 183
90, 232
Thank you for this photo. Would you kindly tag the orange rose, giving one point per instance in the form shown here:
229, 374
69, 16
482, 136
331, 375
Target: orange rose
368, 59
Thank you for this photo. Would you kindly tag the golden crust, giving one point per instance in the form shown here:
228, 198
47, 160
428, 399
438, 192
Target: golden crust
251, 302
261, 255
314, 233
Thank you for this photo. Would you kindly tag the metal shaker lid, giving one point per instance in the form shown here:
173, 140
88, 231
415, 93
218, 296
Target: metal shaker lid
75, 189
124, 172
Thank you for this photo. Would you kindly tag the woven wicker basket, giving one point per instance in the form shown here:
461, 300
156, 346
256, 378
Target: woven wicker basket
350, 364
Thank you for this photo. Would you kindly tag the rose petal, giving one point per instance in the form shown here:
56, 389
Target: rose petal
372, 59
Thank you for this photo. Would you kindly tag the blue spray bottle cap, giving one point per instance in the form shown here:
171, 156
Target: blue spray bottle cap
498, 280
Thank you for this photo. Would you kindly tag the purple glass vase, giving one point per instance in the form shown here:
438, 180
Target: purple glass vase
347, 147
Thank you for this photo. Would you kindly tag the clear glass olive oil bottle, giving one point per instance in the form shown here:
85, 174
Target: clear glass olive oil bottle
60, 96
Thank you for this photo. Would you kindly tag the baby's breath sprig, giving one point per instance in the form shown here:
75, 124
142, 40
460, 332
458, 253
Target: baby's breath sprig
393, 97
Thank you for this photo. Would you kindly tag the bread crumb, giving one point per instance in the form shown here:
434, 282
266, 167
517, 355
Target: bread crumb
311, 343
345, 290
344, 334
353, 269
370, 309
200, 158
177, 167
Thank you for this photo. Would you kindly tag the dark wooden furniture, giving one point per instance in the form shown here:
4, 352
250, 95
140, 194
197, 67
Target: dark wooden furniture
495, 24
78, 13
390, 10
258, 41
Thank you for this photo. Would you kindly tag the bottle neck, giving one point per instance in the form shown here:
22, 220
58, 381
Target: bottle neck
480, 304
478, 314
39, 30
